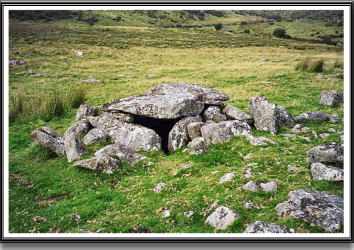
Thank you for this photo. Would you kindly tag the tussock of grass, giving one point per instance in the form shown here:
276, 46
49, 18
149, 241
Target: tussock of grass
307, 64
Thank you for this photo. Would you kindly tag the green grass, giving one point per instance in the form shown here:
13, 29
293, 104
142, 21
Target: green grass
125, 201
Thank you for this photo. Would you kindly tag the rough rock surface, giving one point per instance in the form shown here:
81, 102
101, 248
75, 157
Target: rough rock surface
234, 113
198, 146
251, 185
327, 153
250, 205
100, 163
222, 217
223, 131
194, 129
210, 207
284, 117
48, 138
169, 101
178, 135
227, 177
312, 116
188, 213
74, 147
264, 114
322, 172
318, 208
121, 152
265, 227
135, 137
80, 128
85, 110
214, 113
331, 97
108, 120
95, 135
260, 141
334, 118
269, 186
298, 128
159, 187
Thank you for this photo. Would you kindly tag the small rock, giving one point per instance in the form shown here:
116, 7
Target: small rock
251, 185
342, 138
329, 153
188, 213
314, 133
214, 172
91, 80
298, 128
252, 164
334, 118
159, 187
222, 217
288, 135
150, 76
331, 130
270, 186
150, 163
250, 205
331, 97
36, 74
324, 135
265, 227
312, 116
39, 219
340, 132
291, 167
234, 113
260, 141
227, 177
322, 172
198, 146
100, 163
307, 139
31, 72
247, 156
210, 207
264, 59
166, 213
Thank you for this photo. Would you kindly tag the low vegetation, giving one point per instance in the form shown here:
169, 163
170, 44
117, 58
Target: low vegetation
49, 195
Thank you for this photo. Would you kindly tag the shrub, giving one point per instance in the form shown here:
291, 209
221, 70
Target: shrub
281, 33
218, 26
307, 64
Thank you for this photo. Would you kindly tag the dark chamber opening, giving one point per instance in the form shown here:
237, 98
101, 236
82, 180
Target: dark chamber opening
161, 126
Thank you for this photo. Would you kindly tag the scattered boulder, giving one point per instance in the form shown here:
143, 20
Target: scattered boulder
100, 163
194, 129
284, 118
213, 113
265, 227
234, 113
264, 114
178, 135
121, 152
188, 213
159, 187
210, 207
318, 208
74, 147
48, 138
135, 137
227, 177
298, 128
322, 172
329, 153
331, 130
198, 146
16, 63
223, 131
334, 118
260, 141
312, 116
269, 186
331, 97
95, 135
251, 185
250, 205
324, 135
222, 217
85, 110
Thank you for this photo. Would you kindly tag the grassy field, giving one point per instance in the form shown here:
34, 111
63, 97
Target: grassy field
66, 199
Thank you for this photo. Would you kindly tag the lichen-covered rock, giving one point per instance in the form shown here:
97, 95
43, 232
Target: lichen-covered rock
234, 113
74, 147
251, 185
331, 153
95, 135
318, 208
159, 187
227, 177
222, 217
198, 146
331, 97
265, 227
334, 118
210, 207
312, 116
223, 131
249, 205
260, 141
298, 128
108, 120
194, 129
85, 110
80, 128
121, 152
135, 137
323, 172
168, 101
213, 113
284, 117
100, 163
269, 186
264, 114
178, 135
48, 138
